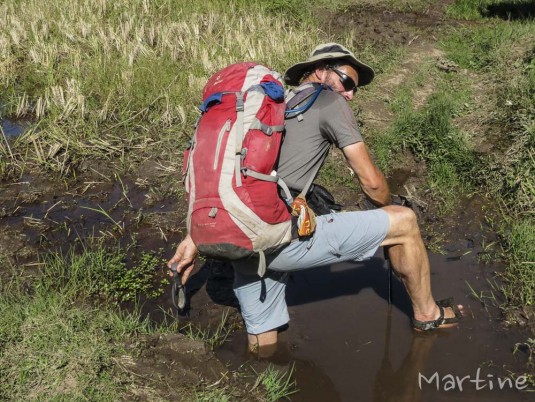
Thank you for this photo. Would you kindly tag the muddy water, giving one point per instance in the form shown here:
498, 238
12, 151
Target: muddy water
38, 214
344, 341
347, 345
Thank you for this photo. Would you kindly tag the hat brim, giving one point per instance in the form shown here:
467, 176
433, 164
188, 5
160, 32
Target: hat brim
294, 74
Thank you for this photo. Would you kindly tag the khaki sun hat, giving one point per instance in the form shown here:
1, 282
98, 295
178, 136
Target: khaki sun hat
328, 52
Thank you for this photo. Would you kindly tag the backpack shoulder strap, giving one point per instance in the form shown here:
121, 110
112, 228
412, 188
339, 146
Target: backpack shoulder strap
296, 97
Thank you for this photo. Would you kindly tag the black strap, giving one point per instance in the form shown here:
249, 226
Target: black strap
319, 199
263, 290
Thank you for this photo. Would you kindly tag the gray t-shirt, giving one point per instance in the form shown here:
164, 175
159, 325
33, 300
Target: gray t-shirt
329, 120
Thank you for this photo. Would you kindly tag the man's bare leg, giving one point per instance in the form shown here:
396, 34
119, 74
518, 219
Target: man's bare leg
264, 344
409, 259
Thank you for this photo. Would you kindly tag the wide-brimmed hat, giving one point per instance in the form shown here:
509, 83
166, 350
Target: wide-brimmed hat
329, 52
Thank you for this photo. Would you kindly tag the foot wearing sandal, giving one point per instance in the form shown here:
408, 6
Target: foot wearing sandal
449, 316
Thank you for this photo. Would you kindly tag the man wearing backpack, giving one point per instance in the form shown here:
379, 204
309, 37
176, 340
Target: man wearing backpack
334, 74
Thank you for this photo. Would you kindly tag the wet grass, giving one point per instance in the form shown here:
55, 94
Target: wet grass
63, 336
102, 272
211, 337
277, 384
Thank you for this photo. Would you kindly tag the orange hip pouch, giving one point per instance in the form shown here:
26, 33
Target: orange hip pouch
306, 219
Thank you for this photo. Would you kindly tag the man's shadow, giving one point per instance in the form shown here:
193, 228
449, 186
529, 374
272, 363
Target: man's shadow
309, 285
348, 278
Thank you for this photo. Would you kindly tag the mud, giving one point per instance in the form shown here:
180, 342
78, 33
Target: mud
382, 27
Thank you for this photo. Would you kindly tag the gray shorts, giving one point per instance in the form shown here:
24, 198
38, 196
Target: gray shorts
345, 236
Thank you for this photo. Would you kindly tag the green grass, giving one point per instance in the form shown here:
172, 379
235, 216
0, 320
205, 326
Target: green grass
277, 384
477, 9
503, 52
121, 81
214, 395
467, 9
103, 272
519, 239
430, 135
54, 346
212, 337
488, 46
105, 80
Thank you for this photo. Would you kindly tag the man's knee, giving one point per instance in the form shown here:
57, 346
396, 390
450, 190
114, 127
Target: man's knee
403, 221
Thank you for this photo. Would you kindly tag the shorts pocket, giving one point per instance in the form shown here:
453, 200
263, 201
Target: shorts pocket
330, 226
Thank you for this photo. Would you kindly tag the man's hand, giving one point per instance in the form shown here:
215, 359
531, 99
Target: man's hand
185, 256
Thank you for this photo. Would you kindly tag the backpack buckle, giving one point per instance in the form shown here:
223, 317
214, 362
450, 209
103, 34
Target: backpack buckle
239, 102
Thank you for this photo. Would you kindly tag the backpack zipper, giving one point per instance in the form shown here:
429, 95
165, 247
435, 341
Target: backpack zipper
226, 127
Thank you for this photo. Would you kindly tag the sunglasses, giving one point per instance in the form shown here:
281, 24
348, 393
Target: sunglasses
346, 81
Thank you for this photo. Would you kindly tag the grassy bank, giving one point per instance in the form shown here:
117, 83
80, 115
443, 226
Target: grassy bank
495, 158
430, 135
55, 342
502, 49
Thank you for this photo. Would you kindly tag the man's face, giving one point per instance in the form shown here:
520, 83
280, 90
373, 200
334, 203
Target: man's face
344, 80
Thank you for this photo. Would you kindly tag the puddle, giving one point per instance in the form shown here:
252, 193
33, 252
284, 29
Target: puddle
348, 345
12, 128
40, 214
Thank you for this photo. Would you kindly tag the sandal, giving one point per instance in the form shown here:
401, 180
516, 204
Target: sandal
434, 324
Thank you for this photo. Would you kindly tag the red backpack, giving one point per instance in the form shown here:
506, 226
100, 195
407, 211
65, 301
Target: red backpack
234, 207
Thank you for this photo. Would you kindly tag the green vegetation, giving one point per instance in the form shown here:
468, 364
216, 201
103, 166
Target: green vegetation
429, 133
277, 384
102, 272
119, 79
504, 52
501, 52
214, 394
519, 250
212, 338
56, 346
477, 9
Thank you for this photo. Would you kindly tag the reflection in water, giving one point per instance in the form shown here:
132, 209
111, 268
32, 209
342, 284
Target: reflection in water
402, 385
319, 387
312, 383
13, 128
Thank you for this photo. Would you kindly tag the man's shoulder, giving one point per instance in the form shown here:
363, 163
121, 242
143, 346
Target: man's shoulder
331, 104
330, 96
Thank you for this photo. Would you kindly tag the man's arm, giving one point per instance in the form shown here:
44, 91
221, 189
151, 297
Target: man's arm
185, 255
371, 180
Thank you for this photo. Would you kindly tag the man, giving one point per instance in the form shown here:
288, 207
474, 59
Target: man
346, 236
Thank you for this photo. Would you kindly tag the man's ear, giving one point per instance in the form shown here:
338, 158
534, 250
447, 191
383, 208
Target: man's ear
321, 74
